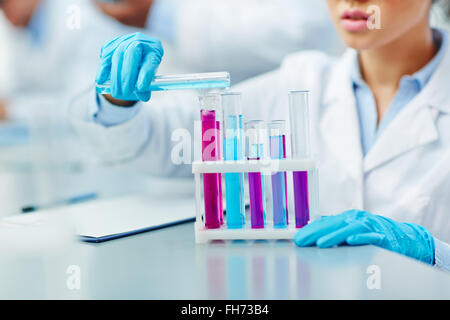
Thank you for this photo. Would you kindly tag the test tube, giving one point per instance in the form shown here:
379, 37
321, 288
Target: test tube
279, 194
233, 151
256, 146
299, 117
210, 116
209, 80
285, 176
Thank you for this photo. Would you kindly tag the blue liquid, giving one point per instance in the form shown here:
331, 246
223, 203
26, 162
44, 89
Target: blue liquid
278, 185
237, 277
234, 182
105, 88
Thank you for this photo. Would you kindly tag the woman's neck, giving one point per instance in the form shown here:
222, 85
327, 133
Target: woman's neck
383, 67
386, 65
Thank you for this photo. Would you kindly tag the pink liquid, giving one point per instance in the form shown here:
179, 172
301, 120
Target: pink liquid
212, 182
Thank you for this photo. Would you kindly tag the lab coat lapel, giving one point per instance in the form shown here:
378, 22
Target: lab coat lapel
339, 123
415, 126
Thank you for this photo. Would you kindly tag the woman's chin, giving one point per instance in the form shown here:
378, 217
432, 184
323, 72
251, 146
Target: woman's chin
359, 41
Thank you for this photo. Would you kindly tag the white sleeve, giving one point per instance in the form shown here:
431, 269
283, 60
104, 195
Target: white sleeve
108, 144
250, 37
442, 255
110, 115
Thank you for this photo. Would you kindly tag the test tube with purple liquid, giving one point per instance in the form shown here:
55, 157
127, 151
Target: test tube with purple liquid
256, 146
300, 135
277, 145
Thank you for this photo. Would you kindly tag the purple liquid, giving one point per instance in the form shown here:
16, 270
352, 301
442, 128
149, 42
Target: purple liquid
301, 200
256, 200
259, 274
212, 182
278, 184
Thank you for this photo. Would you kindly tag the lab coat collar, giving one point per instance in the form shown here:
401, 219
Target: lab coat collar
435, 93
414, 127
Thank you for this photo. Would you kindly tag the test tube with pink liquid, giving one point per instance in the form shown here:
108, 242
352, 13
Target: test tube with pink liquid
210, 115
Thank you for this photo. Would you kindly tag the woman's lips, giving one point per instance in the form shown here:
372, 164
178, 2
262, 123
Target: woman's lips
354, 20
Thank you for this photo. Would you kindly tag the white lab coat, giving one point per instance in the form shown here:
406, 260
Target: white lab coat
405, 176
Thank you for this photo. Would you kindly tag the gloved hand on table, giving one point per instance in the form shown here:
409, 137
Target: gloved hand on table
356, 227
130, 61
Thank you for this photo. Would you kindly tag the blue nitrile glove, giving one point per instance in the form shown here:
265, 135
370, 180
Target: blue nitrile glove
356, 227
130, 61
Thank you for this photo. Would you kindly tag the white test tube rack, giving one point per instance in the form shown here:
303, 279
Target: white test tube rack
266, 167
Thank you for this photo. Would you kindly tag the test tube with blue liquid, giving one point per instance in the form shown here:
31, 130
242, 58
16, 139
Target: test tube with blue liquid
210, 80
233, 151
256, 146
300, 135
279, 191
210, 116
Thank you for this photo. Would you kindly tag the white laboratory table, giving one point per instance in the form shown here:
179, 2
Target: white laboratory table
167, 264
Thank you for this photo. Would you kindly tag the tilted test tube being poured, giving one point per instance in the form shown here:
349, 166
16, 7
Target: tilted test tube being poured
301, 148
209, 80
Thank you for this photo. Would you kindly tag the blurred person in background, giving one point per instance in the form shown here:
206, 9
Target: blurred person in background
50, 44
52, 47
58, 38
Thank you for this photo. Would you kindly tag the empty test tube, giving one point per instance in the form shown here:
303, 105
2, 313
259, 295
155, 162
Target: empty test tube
210, 115
300, 135
209, 80
256, 146
279, 194
233, 151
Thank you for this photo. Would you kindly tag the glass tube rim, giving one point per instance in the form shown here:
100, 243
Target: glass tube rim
253, 122
294, 92
276, 122
231, 93
205, 102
